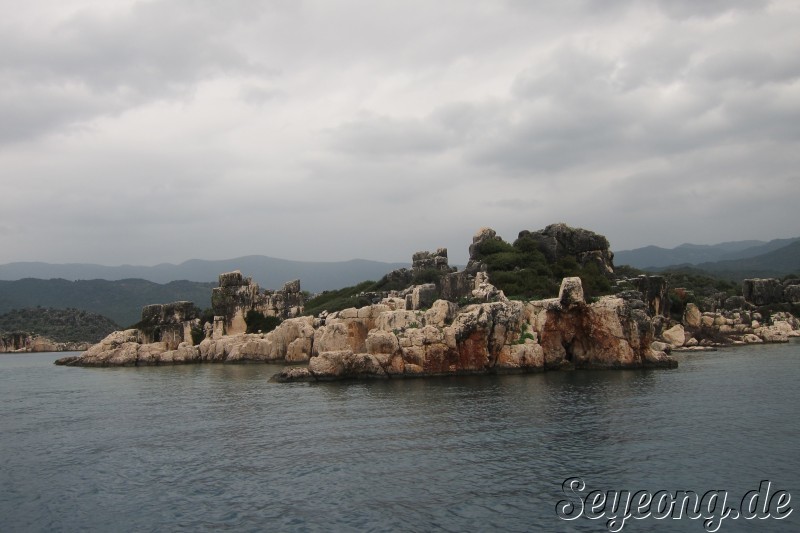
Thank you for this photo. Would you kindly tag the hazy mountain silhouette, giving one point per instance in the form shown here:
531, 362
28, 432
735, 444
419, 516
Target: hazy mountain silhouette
269, 272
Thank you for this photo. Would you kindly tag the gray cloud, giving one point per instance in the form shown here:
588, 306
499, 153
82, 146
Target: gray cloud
159, 131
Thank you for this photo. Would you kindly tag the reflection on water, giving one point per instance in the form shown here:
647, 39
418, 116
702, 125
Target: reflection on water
202, 447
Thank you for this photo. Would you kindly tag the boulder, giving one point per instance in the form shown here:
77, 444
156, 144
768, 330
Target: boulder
675, 336
762, 291
391, 320
778, 332
421, 297
654, 292
557, 241
345, 364
485, 291
293, 374
441, 313
751, 338
692, 316
791, 294
571, 292
382, 342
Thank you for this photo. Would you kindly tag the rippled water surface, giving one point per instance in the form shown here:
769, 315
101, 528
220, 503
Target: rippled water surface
218, 447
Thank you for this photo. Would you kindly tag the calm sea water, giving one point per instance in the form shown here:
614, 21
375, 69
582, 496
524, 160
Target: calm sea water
218, 447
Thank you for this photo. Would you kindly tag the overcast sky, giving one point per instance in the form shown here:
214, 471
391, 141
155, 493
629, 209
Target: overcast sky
159, 131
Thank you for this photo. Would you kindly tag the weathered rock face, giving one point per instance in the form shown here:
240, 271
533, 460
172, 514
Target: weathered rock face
23, 342
654, 290
290, 342
492, 337
675, 336
457, 285
237, 295
762, 291
791, 293
378, 341
485, 291
421, 297
422, 261
481, 236
559, 240
726, 327
169, 323
692, 316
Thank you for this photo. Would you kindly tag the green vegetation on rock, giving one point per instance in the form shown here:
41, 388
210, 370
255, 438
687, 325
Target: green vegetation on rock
340, 299
59, 325
122, 300
257, 322
522, 271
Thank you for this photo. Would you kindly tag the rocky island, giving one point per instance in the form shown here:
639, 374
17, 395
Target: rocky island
44, 329
455, 323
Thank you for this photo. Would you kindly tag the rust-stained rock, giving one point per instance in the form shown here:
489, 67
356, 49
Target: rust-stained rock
378, 342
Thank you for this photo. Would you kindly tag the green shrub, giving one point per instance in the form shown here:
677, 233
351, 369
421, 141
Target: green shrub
491, 247
198, 334
429, 275
340, 299
257, 322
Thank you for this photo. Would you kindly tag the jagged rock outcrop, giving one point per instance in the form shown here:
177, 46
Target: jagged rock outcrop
503, 336
726, 327
762, 291
791, 292
24, 342
170, 323
692, 315
654, 290
481, 237
290, 342
557, 241
379, 341
237, 295
422, 261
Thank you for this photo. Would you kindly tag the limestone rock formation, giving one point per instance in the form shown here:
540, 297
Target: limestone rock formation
24, 342
559, 240
791, 293
379, 341
237, 295
654, 290
692, 316
290, 342
503, 336
762, 291
675, 336
484, 291
169, 323
482, 236
422, 261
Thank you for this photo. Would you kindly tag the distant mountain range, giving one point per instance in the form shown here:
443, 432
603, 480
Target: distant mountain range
650, 257
732, 260
120, 300
120, 292
59, 325
269, 272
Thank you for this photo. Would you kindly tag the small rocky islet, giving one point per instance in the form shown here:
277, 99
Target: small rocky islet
461, 324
